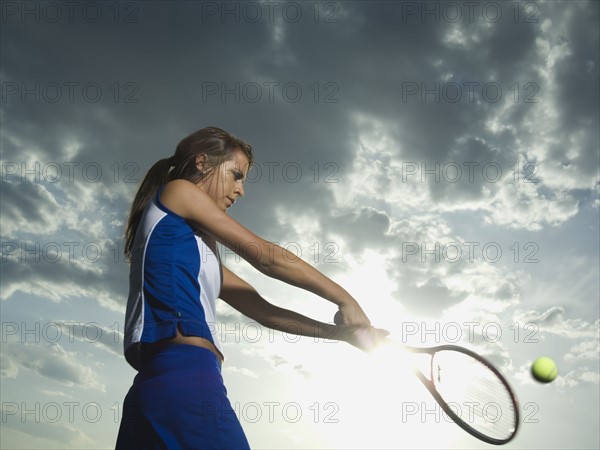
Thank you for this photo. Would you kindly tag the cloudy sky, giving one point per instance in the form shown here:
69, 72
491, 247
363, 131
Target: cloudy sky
439, 160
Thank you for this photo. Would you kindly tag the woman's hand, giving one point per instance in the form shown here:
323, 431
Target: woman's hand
351, 314
361, 335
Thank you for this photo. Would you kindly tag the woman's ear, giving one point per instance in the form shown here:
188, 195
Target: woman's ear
201, 162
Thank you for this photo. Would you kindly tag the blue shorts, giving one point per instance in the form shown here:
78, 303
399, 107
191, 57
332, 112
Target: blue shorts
178, 401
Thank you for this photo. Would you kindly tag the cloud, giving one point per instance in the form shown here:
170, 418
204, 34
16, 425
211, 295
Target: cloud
385, 175
73, 275
371, 141
52, 361
102, 337
571, 379
242, 371
585, 350
590, 376
469, 174
574, 371
278, 362
28, 208
576, 377
8, 367
553, 321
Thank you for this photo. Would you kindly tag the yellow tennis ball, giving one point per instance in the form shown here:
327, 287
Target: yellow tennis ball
544, 369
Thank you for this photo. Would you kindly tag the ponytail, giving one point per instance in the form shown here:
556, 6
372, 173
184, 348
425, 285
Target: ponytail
157, 176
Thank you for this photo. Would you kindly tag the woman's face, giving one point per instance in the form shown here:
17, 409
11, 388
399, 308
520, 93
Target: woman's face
226, 184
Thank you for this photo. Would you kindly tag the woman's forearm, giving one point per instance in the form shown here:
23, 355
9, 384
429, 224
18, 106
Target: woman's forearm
291, 322
365, 338
289, 268
244, 298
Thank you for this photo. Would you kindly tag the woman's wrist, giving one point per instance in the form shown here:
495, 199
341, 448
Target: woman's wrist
343, 298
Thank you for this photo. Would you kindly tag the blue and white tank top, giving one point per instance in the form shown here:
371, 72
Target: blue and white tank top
174, 281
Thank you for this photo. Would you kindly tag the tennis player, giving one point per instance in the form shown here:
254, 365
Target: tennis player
178, 399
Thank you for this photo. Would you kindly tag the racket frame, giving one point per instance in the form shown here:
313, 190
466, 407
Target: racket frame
428, 383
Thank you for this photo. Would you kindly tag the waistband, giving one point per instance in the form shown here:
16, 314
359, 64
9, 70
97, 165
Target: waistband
172, 357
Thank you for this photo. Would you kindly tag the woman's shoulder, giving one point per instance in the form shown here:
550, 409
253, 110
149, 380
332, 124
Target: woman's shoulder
185, 199
178, 192
179, 185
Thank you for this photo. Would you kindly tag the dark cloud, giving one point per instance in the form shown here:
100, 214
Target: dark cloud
174, 70
66, 273
363, 229
54, 362
154, 75
27, 206
106, 338
429, 299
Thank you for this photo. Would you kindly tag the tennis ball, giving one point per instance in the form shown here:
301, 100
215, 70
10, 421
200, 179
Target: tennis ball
544, 369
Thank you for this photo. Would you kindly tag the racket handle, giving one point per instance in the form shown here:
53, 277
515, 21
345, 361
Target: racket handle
337, 318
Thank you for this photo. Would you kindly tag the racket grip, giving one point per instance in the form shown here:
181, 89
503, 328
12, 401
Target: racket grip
337, 318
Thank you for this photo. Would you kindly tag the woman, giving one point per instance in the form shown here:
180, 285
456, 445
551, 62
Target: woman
178, 399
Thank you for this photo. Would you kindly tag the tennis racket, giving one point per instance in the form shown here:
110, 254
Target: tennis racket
470, 390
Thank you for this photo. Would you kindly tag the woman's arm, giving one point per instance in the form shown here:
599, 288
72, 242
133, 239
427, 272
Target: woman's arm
190, 202
244, 298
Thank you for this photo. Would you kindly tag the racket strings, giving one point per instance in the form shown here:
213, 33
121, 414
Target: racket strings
475, 393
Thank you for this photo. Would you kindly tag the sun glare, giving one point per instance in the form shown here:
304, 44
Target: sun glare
379, 392
376, 391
